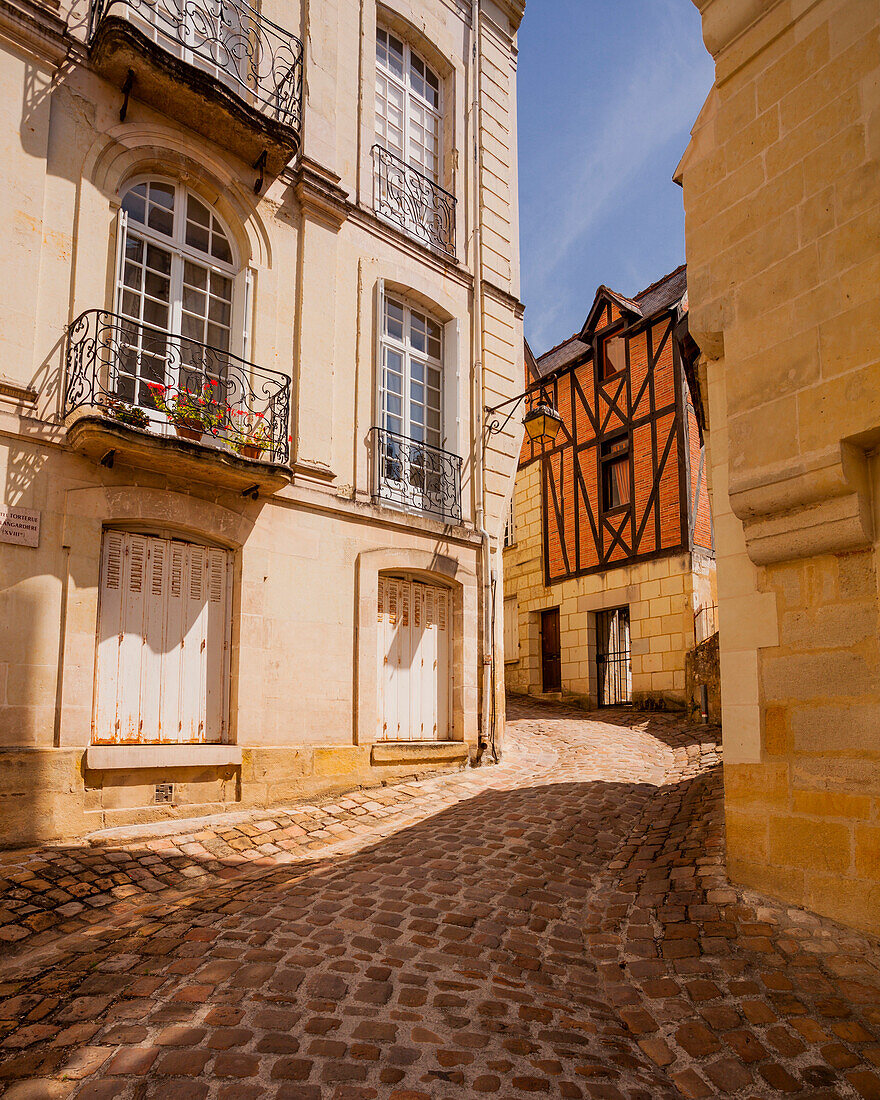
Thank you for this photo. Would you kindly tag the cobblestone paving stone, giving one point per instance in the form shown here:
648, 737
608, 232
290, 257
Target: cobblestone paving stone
559, 925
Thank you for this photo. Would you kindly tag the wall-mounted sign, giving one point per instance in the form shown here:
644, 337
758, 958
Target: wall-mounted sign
19, 525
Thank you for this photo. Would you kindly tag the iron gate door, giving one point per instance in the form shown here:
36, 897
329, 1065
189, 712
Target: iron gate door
613, 658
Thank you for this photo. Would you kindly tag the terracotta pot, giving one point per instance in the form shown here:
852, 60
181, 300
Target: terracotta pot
190, 429
249, 450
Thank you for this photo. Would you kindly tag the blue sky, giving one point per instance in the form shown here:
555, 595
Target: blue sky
608, 92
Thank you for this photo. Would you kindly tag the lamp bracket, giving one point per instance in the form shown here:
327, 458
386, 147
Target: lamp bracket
494, 424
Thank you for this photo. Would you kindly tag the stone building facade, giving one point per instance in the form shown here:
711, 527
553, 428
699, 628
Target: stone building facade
257, 297
609, 567
783, 240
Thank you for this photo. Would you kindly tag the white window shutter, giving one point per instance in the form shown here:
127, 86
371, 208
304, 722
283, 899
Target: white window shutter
121, 231
452, 434
110, 635
246, 320
162, 640
379, 324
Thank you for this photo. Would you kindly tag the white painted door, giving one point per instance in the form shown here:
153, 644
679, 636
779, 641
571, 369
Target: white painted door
163, 630
414, 661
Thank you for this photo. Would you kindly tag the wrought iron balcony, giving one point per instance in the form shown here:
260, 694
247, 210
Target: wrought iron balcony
417, 476
411, 200
178, 54
161, 384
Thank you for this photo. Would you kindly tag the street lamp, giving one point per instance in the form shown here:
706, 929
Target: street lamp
542, 423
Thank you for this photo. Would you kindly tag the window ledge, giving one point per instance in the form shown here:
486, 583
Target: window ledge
418, 752
129, 757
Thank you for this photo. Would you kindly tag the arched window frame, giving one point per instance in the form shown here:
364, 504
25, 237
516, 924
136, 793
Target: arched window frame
412, 102
176, 245
396, 460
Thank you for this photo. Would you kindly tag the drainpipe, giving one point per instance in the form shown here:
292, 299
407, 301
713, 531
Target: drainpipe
488, 630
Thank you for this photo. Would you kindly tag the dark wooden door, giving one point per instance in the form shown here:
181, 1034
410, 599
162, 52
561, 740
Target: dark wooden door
551, 657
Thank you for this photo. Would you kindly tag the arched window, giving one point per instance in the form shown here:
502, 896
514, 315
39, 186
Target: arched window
177, 288
408, 107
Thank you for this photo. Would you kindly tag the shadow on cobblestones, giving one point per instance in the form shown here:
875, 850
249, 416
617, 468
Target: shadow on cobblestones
566, 935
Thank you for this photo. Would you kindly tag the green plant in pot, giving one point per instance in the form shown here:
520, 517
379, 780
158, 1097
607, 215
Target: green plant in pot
250, 434
127, 414
191, 413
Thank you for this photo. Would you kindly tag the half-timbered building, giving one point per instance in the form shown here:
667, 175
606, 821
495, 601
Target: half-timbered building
609, 563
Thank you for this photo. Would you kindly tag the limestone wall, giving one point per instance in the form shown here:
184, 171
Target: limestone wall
306, 552
783, 242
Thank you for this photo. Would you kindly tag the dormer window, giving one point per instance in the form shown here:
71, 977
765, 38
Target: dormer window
613, 355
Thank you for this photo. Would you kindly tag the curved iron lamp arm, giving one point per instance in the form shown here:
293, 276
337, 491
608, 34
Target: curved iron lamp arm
493, 422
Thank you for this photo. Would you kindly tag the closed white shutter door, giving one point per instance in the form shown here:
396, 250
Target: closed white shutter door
414, 661
162, 641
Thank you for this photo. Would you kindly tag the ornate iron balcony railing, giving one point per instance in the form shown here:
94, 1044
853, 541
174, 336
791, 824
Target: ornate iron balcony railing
154, 381
415, 475
258, 60
413, 201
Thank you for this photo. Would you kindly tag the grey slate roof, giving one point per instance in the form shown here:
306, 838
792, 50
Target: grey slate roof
663, 294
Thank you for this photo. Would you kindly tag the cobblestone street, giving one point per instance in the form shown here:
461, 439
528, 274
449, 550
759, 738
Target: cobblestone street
558, 925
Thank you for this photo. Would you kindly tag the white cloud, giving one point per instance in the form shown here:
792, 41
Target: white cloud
657, 95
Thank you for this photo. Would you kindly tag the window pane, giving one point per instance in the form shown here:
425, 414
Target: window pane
194, 301
221, 286
161, 220
156, 314
134, 249
197, 237
218, 337
158, 287
196, 211
131, 304
162, 194
192, 327
158, 259
393, 319
135, 203
195, 275
220, 249
219, 311
133, 275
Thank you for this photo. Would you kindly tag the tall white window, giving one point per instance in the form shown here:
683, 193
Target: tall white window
412, 373
408, 108
177, 284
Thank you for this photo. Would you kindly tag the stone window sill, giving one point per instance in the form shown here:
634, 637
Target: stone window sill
130, 757
418, 752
